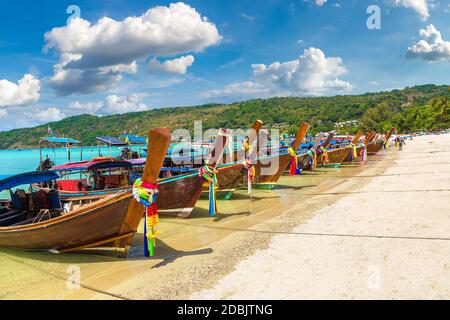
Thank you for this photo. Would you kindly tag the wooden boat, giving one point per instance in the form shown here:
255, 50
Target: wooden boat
178, 195
377, 145
234, 174
359, 148
265, 163
109, 222
321, 160
340, 154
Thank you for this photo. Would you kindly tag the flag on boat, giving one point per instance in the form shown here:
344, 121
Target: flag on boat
50, 131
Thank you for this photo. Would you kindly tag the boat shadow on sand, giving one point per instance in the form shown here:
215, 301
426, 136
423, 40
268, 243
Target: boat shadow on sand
202, 213
166, 253
291, 187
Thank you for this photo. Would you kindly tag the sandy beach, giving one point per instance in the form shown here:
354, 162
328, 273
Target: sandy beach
378, 230
386, 240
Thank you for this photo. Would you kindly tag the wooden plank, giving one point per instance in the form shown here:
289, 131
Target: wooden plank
328, 141
357, 136
219, 145
254, 136
301, 133
96, 243
389, 135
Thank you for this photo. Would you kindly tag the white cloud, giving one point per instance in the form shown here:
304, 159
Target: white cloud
3, 113
420, 6
66, 81
25, 92
179, 65
311, 74
114, 104
93, 56
248, 17
320, 2
238, 90
88, 108
431, 47
48, 115
126, 68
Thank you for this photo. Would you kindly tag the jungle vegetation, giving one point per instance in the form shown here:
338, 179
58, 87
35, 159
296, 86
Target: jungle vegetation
411, 109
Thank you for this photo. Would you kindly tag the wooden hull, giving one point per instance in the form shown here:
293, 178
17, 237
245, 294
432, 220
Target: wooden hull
335, 156
304, 160
338, 155
231, 177
260, 177
177, 198
106, 223
373, 148
358, 152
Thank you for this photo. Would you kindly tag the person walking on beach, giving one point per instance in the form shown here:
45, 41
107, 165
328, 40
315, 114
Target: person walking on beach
401, 142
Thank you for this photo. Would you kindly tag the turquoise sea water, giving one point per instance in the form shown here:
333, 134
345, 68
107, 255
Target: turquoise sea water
19, 161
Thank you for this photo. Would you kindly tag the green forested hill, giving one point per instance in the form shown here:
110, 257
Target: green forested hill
415, 108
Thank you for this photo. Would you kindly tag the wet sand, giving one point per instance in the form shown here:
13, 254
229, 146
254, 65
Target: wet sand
216, 258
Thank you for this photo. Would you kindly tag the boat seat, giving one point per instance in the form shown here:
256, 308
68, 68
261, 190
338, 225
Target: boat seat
22, 223
72, 185
20, 200
3, 210
112, 181
40, 200
33, 219
13, 219
8, 214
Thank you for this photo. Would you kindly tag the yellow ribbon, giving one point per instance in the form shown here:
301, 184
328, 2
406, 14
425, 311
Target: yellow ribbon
324, 156
353, 147
292, 153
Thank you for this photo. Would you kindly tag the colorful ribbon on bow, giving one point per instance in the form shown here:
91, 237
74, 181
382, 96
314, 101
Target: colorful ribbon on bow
363, 155
210, 175
324, 155
247, 148
250, 174
312, 158
353, 152
145, 193
294, 168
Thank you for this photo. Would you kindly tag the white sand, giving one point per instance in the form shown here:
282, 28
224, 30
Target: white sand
402, 263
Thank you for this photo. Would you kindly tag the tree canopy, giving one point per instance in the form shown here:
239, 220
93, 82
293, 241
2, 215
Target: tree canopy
411, 109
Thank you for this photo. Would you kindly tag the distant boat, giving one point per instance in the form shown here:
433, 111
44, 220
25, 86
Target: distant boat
377, 144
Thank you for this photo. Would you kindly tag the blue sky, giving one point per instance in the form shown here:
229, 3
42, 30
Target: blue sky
173, 56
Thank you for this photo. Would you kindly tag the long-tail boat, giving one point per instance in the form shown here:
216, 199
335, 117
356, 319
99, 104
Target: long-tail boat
340, 154
265, 163
178, 195
230, 176
369, 136
184, 182
37, 221
322, 152
377, 145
